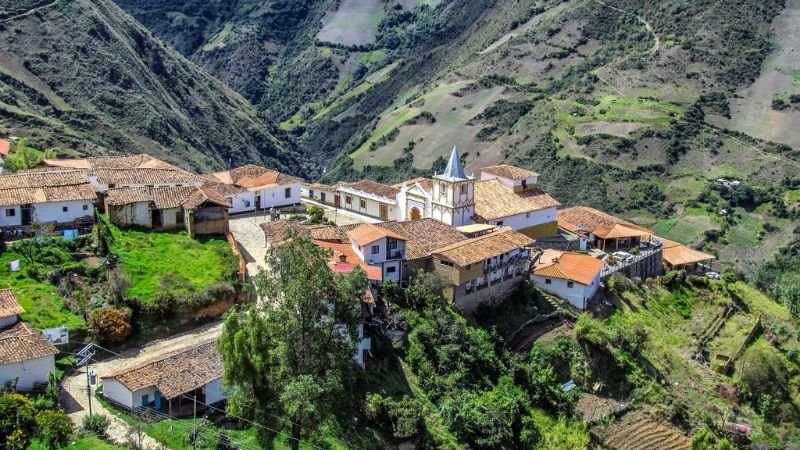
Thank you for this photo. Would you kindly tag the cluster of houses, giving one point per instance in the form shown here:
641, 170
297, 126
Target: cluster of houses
482, 234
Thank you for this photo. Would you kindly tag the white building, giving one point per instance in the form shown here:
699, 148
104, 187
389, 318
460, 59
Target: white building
573, 277
26, 358
453, 196
162, 381
379, 247
369, 198
252, 187
56, 197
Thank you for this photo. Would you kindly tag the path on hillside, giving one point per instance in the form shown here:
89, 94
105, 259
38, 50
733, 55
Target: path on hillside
29, 12
641, 19
73, 387
251, 240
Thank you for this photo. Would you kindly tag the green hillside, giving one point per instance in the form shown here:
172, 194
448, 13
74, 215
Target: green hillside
83, 75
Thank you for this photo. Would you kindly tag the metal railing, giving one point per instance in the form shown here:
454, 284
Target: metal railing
644, 254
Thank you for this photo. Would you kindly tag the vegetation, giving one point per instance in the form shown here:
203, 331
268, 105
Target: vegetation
292, 355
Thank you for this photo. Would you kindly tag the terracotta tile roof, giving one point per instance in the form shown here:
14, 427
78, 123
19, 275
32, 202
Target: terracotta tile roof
512, 172
9, 306
253, 177
367, 233
32, 187
495, 201
139, 161
425, 235
22, 342
277, 231
5, 147
425, 183
582, 220
471, 251
572, 267
547, 257
676, 254
145, 176
189, 197
373, 187
175, 373
351, 260
332, 232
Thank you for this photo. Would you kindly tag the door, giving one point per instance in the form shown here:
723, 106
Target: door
415, 214
322, 197
258, 201
384, 212
145, 399
158, 400
156, 219
26, 214
337, 201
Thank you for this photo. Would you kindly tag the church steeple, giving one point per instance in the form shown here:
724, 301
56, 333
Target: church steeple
454, 169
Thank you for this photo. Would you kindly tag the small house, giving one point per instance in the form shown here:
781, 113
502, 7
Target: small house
573, 277
603, 231
168, 381
252, 187
380, 247
528, 210
681, 257
26, 358
369, 198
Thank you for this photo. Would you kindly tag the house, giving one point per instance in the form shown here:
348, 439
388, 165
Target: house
415, 198
513, 178
484, 268
252, 187
369, 198
319, 192
531, 212
278, 231
422, 238
60, 197
603, 231
26, 358
198, 210
379, 247
681, 257
573, 277
168, 380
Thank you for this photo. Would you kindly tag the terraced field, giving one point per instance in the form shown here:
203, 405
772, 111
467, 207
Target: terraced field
637, 431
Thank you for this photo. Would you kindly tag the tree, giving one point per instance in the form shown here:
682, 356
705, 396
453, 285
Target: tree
54, 427
109, 324
17, 421
291, 356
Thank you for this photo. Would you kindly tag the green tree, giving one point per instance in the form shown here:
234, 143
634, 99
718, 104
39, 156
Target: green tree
109, 324
54, 427
292, 355
17, 421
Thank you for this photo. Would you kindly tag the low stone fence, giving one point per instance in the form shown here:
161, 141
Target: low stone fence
238, 254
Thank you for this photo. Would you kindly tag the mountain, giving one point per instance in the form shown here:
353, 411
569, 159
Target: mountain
83, 75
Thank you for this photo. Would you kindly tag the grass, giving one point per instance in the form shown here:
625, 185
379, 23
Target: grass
745, 233
82, 442
44, 308
614, 108
688, 228
219, 38
560, 433
146, 256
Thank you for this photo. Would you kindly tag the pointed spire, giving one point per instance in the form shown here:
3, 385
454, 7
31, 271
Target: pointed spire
454, 168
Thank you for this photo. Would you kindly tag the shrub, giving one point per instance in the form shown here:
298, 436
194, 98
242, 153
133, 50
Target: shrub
729, 276
54, 428
619, 283
17, 421
109, 324
96, 424
404, 415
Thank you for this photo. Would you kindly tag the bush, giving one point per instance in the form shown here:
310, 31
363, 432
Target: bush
729, 276
54, 428
619, 283
17, 421
109, 324
404, 415
96, 424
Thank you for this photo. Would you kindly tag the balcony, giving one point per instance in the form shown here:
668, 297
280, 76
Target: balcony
395, 254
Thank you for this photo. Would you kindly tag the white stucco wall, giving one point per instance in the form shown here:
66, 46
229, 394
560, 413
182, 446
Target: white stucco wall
372, 206
214, 392
577, 295
114, 390
276, 196
242, 202
10, 221
54, 212
150, 392
388, 275
508, 182
522, 221
29, 372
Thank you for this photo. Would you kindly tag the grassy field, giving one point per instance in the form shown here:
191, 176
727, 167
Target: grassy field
147, 256
219, 39
354, 23
688, 228
82, 442
44, 308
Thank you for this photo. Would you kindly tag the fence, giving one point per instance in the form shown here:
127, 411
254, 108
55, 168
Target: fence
648, 263
238, 254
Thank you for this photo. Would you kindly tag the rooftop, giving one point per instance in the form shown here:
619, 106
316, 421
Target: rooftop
145, 176
582, 220
454, 169
367, 233
253, 177
676, 254
495, 201
22, 342
175, 373
278, 231
573, 267
140, 161
425, 183
471, 251
511, 172
188, 197
344, 260
373, 187
9, 306
32, 187
425, 235
5, 147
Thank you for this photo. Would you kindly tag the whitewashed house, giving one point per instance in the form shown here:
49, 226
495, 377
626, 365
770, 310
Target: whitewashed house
573, 277
252, 187
369, 198
162, 382
59, 197
26, 358
379, 247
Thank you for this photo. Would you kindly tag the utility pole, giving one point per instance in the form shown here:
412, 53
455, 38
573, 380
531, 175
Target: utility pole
194, 421
89, 389
86, 354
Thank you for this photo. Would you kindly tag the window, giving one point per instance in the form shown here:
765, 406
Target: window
391, 269
311, 193
376, 249
247, 203
179, 216
570, 284
348, 200
469, 266
287, 192
464, 188
524, 184
447, 263
362, 204
500, 223
85, 207
392, 244
444, 189
64, 208
11, 212
548, 281
527, 215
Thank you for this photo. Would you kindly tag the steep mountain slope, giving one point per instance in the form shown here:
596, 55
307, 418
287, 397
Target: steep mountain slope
84, 75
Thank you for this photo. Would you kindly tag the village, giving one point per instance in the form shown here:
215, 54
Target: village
484, 234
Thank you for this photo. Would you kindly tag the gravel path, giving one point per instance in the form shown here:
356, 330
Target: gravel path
251, 240
73, 393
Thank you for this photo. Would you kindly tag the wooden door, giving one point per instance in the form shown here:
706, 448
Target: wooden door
415, 214
384, 212
337, 201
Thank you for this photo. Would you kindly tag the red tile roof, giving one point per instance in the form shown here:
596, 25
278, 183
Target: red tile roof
474, 250
22, 342
344, 260
9, 306
572, 267
511, 172
373, 187
367, 233
676, 254
5, 147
